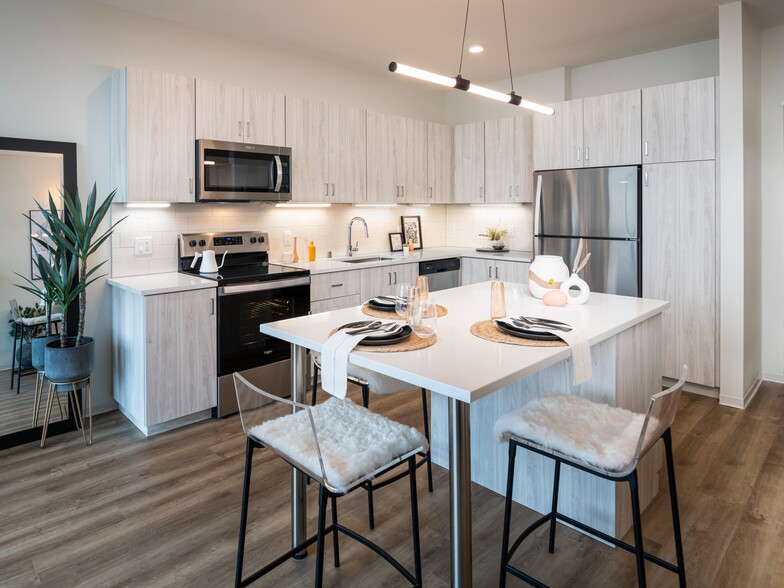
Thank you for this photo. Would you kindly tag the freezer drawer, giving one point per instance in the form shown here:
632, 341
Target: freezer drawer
614, 267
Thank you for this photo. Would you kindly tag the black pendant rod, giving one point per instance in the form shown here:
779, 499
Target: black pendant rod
462, 48
508, 58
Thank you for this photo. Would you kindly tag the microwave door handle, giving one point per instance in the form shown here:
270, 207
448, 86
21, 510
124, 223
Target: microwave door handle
279, 173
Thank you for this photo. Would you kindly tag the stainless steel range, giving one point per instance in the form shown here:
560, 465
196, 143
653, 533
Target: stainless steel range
251, 291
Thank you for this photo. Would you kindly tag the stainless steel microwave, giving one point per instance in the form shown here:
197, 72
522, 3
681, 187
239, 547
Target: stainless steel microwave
242, 172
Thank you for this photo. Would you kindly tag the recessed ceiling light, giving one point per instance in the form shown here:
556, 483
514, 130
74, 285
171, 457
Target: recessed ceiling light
476, 48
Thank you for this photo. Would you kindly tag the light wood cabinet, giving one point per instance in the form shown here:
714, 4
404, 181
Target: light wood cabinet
328, 151
164, 357
590, 132
474, 270
152, 155
612, 129
231, 113
396, 158
508, 160
679, 263
334, 285
377, 281
679, 122
469, 161
439, 162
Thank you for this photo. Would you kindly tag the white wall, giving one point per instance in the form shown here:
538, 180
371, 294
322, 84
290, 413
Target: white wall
772, 107
24, 178
677, 64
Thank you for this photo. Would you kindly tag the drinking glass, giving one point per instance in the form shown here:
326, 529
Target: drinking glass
497, 300
514, 301
425, 317
401, 299
421, 283
412, 297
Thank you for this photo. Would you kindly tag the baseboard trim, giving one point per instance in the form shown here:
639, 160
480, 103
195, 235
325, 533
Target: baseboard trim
708, 391
768, 377
752, 391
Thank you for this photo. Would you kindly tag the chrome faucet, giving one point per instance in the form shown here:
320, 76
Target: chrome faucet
350, 250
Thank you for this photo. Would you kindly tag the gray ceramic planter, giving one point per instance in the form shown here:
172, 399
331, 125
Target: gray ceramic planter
69, 364
39, 347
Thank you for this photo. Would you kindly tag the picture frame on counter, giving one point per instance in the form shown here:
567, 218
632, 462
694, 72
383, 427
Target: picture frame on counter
396, 242
412, 230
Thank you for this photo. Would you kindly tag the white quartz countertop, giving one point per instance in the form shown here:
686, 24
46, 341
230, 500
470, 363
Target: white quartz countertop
338, 264
466, 367
161, 283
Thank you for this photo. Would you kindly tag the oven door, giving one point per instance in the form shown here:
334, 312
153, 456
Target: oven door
264, 360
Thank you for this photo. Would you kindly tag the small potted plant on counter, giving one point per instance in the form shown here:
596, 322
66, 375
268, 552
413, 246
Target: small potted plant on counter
496, 237
65, 276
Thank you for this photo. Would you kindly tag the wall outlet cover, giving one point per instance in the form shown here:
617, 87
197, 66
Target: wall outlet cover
511, 230
142, 246
287, 238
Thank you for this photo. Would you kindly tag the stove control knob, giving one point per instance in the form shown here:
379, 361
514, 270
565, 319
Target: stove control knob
253, 239
202, 243
261, 238
192, 243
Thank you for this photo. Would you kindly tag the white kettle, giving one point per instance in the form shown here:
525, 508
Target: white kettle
209, 264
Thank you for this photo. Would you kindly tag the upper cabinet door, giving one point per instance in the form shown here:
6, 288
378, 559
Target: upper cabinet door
612, 129
386, 156
153, 134
347, 141
219, 112
469, 162
679, 122
500, 160
558, 139
415, 185
439, 162
524, 162
265, 118
306, 134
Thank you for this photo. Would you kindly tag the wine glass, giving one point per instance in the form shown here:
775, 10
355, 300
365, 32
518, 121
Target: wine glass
424, 317
401, 299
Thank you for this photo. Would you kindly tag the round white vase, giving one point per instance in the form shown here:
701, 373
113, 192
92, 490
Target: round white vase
546, 273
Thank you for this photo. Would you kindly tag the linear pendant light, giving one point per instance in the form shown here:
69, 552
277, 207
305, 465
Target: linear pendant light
460, 83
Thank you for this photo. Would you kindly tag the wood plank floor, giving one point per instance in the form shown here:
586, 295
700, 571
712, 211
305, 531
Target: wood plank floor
164, 511
16, 410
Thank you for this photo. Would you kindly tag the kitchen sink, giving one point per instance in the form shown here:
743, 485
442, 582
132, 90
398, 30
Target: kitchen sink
364, 259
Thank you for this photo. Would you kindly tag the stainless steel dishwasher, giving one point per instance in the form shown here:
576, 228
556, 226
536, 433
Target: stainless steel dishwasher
441, 273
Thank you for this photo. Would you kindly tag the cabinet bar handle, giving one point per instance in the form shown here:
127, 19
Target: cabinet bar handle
239, 128
645, 149
578, 153
389, 278
490, 271
402, 191
190, 185
430, 191
587, 153
496, 272
333, 189
481, 192
326, 189
397, 191
646, 179
212, 306
395, 277
337, 285
248, 129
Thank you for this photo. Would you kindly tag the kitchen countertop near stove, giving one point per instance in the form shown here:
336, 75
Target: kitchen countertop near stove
336, 264
152, 284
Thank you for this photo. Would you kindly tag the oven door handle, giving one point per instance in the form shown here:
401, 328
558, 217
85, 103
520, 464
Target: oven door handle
259, 287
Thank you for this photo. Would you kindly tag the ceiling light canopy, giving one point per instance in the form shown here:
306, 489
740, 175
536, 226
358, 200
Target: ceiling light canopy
460, 83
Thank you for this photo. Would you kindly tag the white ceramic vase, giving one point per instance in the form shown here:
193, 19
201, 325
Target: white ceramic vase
546, 273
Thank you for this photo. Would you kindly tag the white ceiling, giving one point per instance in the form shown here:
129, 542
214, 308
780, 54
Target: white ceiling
368, 34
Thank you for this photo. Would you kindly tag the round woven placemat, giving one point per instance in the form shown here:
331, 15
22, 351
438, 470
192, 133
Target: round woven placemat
383, 314
487, 330
411, 344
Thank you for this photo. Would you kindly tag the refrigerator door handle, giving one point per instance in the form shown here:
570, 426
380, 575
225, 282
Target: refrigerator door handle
537, 203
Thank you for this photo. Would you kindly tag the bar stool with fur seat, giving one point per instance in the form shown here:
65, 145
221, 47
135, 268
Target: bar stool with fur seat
598, 439
370, 381
340, 446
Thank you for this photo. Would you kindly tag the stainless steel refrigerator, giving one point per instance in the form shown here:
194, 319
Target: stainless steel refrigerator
603, 206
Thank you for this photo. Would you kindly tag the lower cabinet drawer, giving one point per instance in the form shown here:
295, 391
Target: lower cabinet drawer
334, 303
334, 285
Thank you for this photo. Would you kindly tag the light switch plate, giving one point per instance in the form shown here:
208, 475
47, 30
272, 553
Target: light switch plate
287, 238
142, 246
511, 230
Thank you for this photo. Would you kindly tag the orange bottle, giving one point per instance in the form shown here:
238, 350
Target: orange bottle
311, 252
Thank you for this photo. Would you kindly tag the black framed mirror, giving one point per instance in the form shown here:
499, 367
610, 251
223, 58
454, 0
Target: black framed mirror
29, 168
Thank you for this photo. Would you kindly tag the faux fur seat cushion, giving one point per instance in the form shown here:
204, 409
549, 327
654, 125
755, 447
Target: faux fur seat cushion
354, 441
598, 434
377, 383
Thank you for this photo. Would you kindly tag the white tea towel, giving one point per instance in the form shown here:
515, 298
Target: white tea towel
581, 354
334, 361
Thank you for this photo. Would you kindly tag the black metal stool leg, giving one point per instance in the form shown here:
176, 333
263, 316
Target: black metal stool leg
320, 541
427, 436
636, 519
19, 364
369, 485
676, 520
365, 395
335, 546
507, 511
556, 481
13, 354
244, 513
315, 385
415, 519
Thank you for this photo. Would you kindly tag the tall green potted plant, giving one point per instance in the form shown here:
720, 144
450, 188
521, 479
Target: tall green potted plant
65, 277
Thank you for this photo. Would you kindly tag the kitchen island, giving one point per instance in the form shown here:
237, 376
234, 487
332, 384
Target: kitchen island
473, 381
